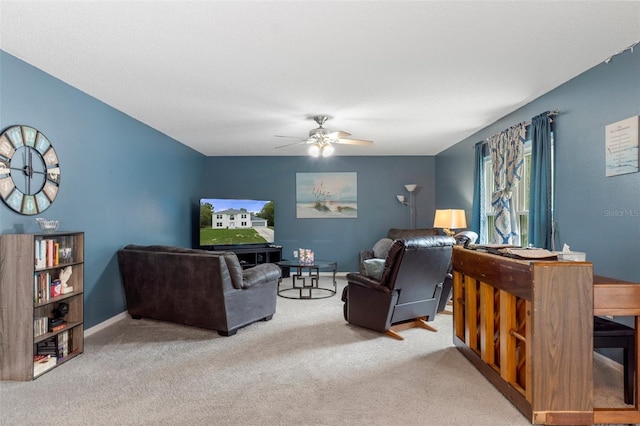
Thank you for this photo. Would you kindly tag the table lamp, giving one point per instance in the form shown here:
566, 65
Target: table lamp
449, 219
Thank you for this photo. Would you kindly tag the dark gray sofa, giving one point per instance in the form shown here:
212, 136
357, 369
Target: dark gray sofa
199, 288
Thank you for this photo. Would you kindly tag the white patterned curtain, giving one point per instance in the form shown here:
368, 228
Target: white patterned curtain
506, 149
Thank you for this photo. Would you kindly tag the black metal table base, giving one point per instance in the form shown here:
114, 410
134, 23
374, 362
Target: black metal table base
307, 286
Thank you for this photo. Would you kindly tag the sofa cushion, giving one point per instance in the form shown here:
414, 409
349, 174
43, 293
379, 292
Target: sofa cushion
381, 248
373, 268
235, 269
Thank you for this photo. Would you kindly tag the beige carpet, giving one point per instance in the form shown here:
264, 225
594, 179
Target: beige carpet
304, 367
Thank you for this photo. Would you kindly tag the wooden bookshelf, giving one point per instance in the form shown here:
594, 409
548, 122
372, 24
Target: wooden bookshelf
25, 296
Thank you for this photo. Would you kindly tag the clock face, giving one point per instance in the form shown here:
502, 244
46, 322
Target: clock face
29, 170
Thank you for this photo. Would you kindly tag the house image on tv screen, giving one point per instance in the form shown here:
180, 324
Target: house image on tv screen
232, 219
226, 222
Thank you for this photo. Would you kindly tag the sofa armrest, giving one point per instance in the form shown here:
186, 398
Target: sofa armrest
260, 274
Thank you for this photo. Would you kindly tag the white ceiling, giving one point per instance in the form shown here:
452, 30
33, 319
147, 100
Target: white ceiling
225, 77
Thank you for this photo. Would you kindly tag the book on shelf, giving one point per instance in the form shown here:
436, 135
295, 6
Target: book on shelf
40, 326
57, 346
63, 344
41, 287
50, 252
57, 328
42, 363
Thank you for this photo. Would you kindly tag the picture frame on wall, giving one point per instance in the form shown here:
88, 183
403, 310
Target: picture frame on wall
621, 142
327, 195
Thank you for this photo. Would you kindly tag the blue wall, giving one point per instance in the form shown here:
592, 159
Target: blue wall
121, 181
595, 214
379, 180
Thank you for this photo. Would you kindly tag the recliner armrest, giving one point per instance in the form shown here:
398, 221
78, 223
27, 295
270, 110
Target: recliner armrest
259, 274
364, 281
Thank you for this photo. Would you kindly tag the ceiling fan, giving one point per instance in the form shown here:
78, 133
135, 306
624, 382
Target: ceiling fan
321, 140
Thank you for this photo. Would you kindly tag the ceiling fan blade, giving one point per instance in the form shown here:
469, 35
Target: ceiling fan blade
354, 142
339, 134
292, 137
302, 142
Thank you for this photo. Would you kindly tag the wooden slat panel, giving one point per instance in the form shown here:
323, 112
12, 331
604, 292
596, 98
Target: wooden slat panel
562, 321
529, 353
487, 316
471, 312
507, 340
458, 305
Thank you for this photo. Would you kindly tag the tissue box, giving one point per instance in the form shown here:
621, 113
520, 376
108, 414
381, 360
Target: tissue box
577, 256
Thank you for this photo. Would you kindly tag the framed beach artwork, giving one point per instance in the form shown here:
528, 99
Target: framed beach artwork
327, 195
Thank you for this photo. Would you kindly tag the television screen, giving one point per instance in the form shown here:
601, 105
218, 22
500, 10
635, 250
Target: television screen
233, 222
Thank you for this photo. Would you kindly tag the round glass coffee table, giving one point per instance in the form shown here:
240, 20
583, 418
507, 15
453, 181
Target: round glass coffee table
305, 280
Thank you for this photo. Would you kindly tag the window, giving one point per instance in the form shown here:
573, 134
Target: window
520, 197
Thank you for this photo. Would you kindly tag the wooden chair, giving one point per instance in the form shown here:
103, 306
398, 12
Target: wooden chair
610, 334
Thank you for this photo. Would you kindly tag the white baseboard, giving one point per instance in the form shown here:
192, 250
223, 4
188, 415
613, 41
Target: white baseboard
105, 324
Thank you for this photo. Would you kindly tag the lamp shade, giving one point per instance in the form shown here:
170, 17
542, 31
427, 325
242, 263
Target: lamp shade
450, 219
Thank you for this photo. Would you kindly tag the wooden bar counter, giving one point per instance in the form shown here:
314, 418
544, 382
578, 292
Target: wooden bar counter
527, 325
617, 297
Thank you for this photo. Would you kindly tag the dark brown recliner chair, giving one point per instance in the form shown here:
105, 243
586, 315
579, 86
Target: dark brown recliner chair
407, 292
381, 248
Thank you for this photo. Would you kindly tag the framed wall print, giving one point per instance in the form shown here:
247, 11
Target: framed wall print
621, 142
327, 195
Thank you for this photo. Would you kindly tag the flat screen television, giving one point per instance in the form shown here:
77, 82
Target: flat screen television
227, 223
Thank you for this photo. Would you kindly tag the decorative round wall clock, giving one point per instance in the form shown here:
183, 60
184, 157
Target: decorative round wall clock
29, 170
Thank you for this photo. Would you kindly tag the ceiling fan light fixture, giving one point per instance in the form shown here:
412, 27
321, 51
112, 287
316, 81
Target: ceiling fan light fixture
314, 150
320, 141
327, 150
